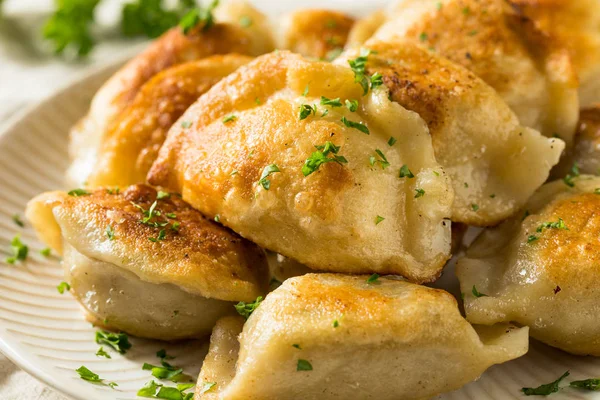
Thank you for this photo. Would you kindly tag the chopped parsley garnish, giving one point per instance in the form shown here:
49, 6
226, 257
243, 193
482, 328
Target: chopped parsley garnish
476, 293
303, 365
570, 177
560, 224
78, 192
324, 154
306, 110
466, 184
373, 278
383, 162
352, 105
162, 234
166, 392
268, 171
19, 250
356, 125
597, 191
297, 346
162, 195
493, 195
392, 141
376, 80
246, 309
229, 118
592, 384
305, 92
45, 251
118, 341
186, 124
17, 220
62, 287
110, 233
420, 193
358, 67
331, 102
207, 386
198, 17
405, 172
69, 26
162, 354
102, 353
166, 371
546, 389
89, 376
474, 207
378, 219
423, 36
466, 10
245, 21
335, 323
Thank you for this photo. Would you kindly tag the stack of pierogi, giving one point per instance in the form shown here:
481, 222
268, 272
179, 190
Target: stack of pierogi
357, 151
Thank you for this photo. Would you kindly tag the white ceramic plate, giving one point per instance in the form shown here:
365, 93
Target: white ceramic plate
44, 333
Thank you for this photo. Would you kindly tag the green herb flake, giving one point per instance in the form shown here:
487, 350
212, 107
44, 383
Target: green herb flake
382, 161
331, 102
306, 110
493, 195
246, 309
352, 105
373, 278
186, 124
69, 27
110, 232
166, 371
62, 287
162, 195
19, 250
597, 191
245, 21
560, 224
392, 141
305, 92
476, 293
474, 207
102, 353
303, 365
78, 192
356, 125
297, 346
423, 36
546, 389
217, 218
46, 251
378, 219
267, 171
420, 193
206, 386
17, 220
149, 389
324, 154
592, 384
358, 67
118, 341
229, 118
532, 238
405, 172
89, 376
569, 179
376, 80
199, 17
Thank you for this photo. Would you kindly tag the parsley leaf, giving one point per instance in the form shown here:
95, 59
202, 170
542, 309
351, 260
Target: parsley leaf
229, 118
373, 278
149, 389
150, 17
376, 80
383, 162
405, 172
420, 193
476, 293
186, 124
162, 354
269, 169
45, 251
17, 220
78, 192
207, 386
62, 287
297, 346
89, 376
166, 371
392, 141
545, 390
102, 353
474, 207
19, 250
560, 224
352, 105
69, 26
379, 219
245, 21
198, 17
160, 195
306, 110
246, 309
335, 323
118, 341
592, 384
320, 157
570, 177
303, 365
331, 102
358, 67
110, 232
356, 125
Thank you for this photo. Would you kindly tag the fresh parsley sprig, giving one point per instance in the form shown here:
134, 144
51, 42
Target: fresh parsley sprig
324, 154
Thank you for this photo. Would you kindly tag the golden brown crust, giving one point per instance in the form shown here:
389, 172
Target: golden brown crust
217, 164
317, 33
132, 144
192, 252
